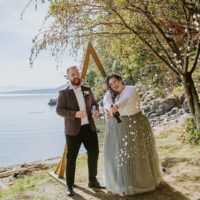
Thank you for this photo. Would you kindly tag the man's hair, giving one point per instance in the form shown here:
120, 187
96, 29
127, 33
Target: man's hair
71, 67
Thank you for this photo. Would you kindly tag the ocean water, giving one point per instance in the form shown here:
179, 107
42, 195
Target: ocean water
30, 129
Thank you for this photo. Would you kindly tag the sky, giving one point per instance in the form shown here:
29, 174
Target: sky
15, 45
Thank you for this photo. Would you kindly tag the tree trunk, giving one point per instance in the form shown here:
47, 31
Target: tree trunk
192, 98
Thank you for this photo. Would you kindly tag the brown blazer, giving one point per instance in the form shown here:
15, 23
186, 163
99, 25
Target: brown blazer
67, 106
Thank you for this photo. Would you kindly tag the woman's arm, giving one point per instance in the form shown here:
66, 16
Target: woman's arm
125, 96
107, 101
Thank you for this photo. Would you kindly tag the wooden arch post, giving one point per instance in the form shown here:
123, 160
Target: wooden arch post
91, 51
60, 170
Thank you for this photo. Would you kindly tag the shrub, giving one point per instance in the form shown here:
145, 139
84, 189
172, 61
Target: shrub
191, 133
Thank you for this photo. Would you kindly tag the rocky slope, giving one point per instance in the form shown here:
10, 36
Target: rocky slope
161, 112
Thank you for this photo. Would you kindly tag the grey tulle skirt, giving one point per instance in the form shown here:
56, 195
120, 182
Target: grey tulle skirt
131, 163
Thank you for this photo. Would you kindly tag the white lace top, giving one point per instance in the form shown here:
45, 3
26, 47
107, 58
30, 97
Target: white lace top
128, 101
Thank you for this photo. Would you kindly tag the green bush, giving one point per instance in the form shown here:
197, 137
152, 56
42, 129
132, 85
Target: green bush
191, 133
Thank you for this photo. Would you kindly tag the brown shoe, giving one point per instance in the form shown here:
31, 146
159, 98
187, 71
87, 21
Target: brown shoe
95, 184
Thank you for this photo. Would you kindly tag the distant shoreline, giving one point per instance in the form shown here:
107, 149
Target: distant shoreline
31, 92
35, 91
26, 94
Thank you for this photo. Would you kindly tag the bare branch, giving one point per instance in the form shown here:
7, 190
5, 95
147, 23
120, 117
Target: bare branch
147, 43
27, 5
173, 65
171, 43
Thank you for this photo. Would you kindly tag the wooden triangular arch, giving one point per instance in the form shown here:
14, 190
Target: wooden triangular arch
91, 51
60, 170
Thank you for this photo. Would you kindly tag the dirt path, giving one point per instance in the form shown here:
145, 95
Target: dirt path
52, 190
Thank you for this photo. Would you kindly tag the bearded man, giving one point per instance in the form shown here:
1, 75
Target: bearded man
79, 108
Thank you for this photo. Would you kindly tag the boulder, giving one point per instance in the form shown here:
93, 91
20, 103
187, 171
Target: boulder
148, 96
52, 102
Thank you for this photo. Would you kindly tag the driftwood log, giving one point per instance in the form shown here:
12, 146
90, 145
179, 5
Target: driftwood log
26, 169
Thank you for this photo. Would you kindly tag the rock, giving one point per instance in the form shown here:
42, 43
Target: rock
148, 96
169, 103
146, 109
101, 111
152, 115
160, 110
155, 104
185, 106
151, 107
181, 99
160, 107
166, 105
168, 111
17, 175
180, 112
52, 102
164, 169
24, 165
173, 111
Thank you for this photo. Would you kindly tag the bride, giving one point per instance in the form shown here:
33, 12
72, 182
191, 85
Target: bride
131, 163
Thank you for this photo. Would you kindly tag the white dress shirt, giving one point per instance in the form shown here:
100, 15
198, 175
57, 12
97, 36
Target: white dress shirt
128, 101
81, 102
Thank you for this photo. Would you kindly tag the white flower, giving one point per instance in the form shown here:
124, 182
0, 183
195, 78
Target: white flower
86, 92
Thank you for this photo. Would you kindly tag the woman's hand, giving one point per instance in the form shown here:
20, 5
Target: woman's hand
114, 108
107, 113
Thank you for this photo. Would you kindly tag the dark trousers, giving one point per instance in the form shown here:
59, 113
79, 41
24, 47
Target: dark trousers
90, 142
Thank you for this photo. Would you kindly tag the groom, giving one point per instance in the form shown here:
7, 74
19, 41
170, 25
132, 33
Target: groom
75, 104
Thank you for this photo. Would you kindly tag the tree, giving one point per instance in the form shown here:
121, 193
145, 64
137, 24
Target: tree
167, 32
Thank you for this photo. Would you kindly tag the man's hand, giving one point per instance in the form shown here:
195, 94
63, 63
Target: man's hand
80, 114
95, 114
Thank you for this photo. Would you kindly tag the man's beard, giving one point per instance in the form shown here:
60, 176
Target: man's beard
76, 81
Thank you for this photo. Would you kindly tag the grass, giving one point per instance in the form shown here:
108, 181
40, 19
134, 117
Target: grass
181, 162
100, 126
178, 91
23, 188
81, 165
22, 185
169, 146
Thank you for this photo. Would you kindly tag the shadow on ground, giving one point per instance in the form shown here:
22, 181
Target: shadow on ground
163, 192
174, 161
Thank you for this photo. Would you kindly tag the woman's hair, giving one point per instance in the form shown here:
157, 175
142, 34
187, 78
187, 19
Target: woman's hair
112, 92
